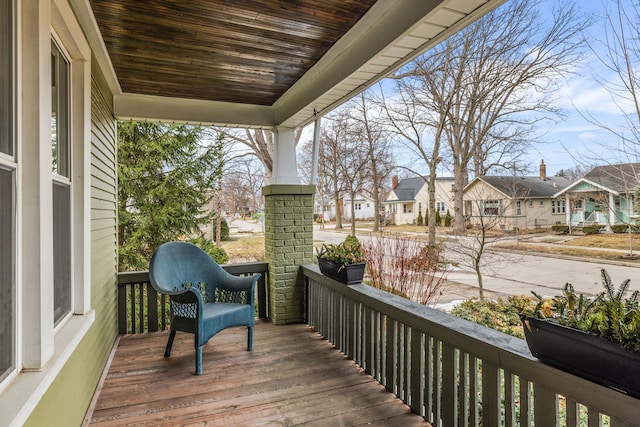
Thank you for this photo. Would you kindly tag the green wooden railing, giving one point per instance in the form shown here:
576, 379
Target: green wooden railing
454, 372
142, 309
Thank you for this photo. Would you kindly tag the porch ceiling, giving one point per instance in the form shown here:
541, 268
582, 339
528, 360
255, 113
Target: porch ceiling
258, 63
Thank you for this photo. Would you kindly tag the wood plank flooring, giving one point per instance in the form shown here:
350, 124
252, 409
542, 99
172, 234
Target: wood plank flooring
292, 377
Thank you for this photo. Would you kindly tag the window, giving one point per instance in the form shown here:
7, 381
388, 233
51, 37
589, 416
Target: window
60, 154
578, 204
406, 208
358, 206
7, 197
541, 203
440, 207
518, 207
530, 203
491, 207
558, 206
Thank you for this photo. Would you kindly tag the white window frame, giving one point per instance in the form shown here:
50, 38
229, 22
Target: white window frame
518, 207
42, 349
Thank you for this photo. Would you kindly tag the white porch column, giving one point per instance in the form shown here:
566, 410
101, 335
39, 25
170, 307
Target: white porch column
612, 209
285, 167
567, 209
316, 151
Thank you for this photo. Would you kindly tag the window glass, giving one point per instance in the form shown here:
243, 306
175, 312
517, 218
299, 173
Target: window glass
6, 143
7, 259
7, 196
60, 153
59, 112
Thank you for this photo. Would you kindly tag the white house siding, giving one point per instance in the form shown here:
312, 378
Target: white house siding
364, 209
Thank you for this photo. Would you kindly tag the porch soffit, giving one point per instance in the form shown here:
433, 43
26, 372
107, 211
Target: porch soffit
258, 63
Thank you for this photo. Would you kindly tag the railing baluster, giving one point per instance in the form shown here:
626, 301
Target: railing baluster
390, 357
417, 374
545, 407
441, 365
491, 395
474, 418
509, 400
449, 385
573, 420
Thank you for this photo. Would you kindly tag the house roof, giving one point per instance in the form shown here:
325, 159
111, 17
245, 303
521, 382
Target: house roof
257, 63
408, 188
525, 186
620, 178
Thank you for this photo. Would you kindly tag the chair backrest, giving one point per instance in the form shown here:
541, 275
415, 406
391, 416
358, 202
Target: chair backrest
175, 264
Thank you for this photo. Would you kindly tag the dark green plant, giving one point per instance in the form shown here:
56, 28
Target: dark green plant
609, 314
560, 229
438, 218
448, 219
503, 314
218, 254
592, 229
420, 219
347, 252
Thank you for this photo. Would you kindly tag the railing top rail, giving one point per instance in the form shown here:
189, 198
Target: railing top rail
502, 350
130, 277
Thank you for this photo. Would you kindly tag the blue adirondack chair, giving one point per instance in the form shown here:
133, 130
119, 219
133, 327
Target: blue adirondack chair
205, 299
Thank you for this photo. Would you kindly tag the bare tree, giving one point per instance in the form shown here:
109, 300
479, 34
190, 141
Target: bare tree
260, 142
374, 140
502, 77
619, 54
418, 115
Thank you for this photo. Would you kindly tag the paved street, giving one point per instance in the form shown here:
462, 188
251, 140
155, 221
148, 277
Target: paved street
507, 273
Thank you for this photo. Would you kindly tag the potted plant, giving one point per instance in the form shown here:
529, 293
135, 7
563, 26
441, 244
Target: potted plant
344, 262
595, 338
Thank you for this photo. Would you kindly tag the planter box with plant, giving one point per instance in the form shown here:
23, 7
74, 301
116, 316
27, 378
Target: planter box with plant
594, 338
344, 262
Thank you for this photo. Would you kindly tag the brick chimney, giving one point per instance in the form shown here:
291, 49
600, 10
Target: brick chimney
543, 171
394, 182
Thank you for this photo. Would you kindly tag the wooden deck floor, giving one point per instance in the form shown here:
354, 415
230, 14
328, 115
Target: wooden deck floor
291, 377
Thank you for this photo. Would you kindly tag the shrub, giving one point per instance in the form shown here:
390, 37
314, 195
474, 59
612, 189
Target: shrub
219, 255
438, 218
592, 229
560, 229
620, 228
502, 314
420, 220
405, 266
447, 219
623, 228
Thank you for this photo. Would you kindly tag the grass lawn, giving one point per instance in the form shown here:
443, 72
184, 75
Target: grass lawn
611, 241
244, 249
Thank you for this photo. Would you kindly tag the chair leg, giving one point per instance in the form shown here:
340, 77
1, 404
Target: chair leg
199, 360
250, 338
167, 351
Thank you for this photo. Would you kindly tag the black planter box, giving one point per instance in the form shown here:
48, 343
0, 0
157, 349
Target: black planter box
350, 274
585, 355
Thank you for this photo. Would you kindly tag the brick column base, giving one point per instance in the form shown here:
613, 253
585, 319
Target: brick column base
288, 232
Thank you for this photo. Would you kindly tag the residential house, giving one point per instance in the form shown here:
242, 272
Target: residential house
71, 68
604, 196
364, 208
515, 202
411, 195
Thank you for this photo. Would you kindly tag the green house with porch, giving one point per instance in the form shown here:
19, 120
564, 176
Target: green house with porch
605, 196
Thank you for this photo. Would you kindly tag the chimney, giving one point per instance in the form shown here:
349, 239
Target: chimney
394, 182
543, 171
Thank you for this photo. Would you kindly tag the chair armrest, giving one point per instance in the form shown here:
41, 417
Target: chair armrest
187, 304
239, 283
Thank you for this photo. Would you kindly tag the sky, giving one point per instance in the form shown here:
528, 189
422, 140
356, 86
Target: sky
575, 140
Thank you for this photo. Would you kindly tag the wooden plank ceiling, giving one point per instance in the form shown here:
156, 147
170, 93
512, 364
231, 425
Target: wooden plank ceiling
240, 51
